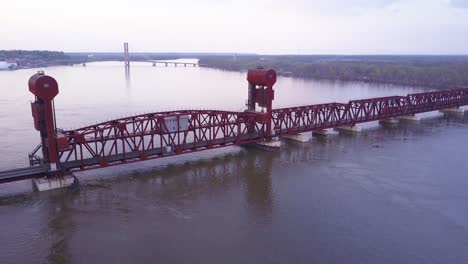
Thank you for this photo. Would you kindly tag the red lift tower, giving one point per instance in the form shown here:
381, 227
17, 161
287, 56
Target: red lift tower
165, 134
261, 92
45, 88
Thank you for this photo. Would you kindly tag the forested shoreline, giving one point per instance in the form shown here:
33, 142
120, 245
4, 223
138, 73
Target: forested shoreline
443, 72
34, 58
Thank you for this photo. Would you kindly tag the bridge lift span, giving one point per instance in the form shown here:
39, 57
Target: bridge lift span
165, 134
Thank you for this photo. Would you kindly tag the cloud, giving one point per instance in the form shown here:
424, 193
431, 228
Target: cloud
363, 3
338, 7
459, 3
262, 26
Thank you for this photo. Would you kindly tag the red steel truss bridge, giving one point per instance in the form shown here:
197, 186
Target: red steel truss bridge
165, 134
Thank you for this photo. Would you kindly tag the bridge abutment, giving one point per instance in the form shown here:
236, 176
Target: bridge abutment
454, 110
46, 184
412, 118
389, 122
321, 133
301, 137
348, 129
273, 145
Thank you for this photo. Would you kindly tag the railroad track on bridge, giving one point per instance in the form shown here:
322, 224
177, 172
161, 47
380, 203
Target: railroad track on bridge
166, 134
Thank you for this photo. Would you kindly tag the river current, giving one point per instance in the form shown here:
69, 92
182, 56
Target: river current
386, 195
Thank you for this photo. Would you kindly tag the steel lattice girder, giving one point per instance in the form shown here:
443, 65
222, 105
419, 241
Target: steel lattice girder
313, 117
151, 136
148, 136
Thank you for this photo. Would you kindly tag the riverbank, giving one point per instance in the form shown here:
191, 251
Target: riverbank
27, 59
441, 72
294, 200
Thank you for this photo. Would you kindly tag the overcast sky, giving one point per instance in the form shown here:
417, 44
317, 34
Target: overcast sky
260, 26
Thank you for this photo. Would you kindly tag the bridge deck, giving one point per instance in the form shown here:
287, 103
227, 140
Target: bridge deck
165, 134
22, 174
150, 154
174, 62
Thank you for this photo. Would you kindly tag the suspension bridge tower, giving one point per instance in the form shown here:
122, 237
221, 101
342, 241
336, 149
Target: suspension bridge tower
126, 56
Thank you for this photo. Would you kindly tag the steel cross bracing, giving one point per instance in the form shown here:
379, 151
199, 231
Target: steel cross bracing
313, 117
163, 134
157, 135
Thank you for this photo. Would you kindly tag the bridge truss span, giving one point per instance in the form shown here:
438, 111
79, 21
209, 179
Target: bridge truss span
157, 135
298, 119
164, 134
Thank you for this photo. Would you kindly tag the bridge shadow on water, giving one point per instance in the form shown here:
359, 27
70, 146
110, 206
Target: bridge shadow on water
128, 80
168, 192
218, 169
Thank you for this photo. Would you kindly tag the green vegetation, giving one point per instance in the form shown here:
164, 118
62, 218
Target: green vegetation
433, 71
34, 58
443, 72
32, 54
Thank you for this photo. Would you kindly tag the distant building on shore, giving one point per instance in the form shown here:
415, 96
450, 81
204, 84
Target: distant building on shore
6, 65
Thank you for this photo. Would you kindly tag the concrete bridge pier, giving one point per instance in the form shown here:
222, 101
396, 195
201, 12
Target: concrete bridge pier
454, 110
272, 146
167, 150
47, 184
389, 122
322, 132
300, 137
411, 118
348, 129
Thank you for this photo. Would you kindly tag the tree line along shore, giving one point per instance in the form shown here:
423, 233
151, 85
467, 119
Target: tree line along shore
24, 59
442, 72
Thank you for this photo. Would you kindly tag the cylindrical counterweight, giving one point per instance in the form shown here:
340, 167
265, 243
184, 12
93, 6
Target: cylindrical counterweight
45, 88
261, 83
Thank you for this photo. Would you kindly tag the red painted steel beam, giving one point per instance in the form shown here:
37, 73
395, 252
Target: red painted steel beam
313, 117
157, 135
163, 134
45, 88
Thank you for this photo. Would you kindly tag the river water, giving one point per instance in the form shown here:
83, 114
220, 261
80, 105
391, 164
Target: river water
387, 195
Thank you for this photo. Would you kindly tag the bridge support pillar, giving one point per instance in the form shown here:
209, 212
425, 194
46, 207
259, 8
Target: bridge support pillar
410, 118
46, 184
389, 122
301, 137
455, 110
348, 129
273, 145
167, 150
321, 132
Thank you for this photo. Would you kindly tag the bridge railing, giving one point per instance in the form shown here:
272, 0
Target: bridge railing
157, 135
312, 117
